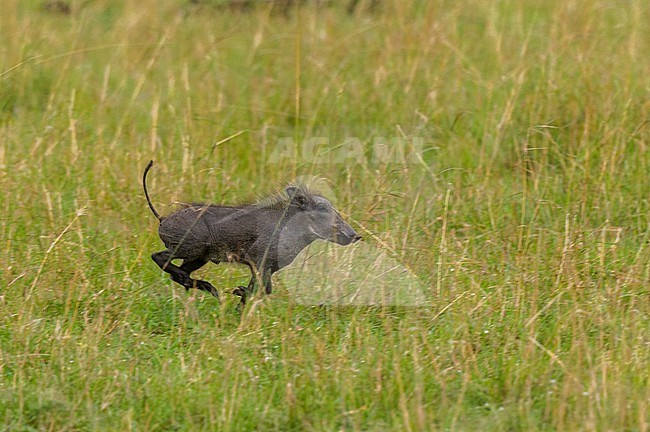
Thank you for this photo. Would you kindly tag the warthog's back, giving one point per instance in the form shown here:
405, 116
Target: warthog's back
215, 232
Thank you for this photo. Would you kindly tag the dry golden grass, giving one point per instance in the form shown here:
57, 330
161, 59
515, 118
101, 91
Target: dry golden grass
525, 215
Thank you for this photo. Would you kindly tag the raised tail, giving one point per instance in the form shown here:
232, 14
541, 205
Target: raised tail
146, 194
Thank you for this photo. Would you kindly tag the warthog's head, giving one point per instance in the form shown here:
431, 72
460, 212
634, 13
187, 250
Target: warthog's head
320, 218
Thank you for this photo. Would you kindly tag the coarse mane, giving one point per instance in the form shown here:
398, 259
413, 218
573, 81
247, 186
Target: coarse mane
279, 199
276, 200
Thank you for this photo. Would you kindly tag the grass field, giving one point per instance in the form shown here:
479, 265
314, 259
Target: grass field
522, 207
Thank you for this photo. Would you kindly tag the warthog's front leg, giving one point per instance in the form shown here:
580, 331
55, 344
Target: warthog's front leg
246, 292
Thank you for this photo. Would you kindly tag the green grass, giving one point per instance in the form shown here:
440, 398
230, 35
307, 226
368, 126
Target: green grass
527, 215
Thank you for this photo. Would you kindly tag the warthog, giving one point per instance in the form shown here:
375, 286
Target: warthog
266, 235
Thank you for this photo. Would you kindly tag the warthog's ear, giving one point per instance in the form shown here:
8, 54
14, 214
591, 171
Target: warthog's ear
297, 196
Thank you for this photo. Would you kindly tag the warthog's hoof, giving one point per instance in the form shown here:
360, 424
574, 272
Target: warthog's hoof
240, 291
207, 287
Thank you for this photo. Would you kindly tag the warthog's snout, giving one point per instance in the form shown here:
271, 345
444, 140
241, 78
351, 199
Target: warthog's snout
352, 239
346, 235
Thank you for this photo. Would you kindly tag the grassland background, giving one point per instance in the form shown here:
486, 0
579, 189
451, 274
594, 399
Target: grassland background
528, 216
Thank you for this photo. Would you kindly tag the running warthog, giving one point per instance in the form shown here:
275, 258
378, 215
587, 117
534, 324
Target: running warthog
266, 235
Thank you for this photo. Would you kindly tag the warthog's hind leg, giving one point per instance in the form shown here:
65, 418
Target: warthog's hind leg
181, 274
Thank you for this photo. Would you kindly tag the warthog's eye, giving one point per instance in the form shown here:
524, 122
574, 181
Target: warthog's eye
321, 207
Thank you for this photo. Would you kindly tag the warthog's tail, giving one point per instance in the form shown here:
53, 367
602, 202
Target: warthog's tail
146, 194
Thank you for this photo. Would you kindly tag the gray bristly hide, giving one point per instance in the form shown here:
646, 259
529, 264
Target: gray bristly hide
265, 235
